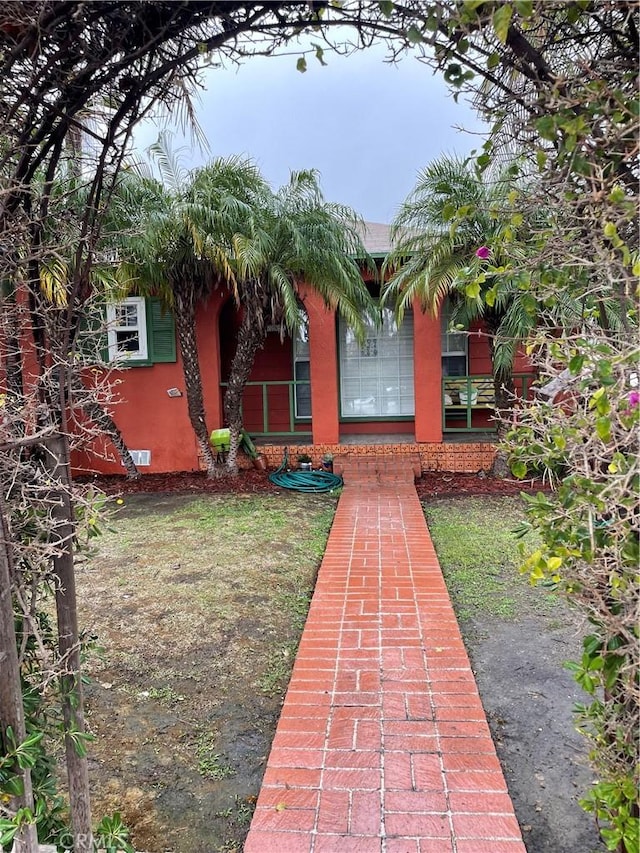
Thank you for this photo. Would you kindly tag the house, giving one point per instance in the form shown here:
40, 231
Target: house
407, 389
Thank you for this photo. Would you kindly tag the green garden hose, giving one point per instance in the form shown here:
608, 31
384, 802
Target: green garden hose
304, 481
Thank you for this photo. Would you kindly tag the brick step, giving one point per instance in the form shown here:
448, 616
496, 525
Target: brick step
356, 469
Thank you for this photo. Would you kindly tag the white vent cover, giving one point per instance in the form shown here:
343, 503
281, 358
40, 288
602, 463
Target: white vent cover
140, 457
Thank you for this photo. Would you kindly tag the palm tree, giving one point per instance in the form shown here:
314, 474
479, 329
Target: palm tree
456, 236
293, 236
179, 249
222, 225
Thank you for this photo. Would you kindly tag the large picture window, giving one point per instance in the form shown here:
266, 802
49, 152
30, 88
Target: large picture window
376, 376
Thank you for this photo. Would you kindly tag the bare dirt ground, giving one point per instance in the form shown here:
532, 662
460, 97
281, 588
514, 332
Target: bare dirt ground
196, 602
186, 696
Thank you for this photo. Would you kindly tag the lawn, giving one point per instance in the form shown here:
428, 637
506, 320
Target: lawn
196, 605
480, 554
518, 638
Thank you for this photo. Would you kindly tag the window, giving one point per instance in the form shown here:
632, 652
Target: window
302, 371
139, 332
127, 330
376, 376
454, 345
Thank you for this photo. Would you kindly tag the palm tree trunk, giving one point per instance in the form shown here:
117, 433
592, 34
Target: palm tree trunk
251, 337
186, 328
101, 418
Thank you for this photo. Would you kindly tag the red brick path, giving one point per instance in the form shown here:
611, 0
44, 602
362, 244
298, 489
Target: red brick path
382, 745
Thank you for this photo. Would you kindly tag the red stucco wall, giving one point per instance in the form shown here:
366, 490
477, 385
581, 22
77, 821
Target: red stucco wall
427, 365
323, 348
151, 420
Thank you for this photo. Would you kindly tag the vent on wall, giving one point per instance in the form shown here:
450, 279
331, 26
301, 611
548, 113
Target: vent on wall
140, 457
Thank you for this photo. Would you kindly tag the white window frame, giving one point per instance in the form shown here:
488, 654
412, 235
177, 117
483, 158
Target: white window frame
142, 353
450, 341
301, 355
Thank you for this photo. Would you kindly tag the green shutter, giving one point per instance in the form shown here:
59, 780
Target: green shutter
161, 332
92, 337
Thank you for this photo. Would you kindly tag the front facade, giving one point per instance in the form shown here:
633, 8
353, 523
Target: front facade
409, 387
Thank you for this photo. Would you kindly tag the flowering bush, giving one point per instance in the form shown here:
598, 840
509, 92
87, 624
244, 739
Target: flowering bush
590, 529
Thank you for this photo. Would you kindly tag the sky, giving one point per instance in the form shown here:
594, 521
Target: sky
368, 127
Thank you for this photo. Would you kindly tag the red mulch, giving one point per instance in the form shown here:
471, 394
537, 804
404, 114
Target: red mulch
444, 484
430, 485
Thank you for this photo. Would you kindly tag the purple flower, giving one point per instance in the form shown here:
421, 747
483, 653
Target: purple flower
634, 399
483, 253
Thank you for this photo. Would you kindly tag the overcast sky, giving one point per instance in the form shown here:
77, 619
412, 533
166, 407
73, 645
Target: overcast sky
366, 126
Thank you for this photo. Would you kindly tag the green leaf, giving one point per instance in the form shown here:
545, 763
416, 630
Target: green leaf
501, 19
490, 297
524, 8
546, 127
610, 230
493, 60
517, 219
453, 72
301, 65
414, 36
519, 470
603, 428
575, 364
617, 194
386, 7
541, 158
472, 290
319, 54
448, 212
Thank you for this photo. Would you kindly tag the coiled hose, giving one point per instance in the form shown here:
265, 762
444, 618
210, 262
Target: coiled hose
304, 481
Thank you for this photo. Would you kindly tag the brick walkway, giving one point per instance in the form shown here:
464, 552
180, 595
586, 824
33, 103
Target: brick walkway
382, 745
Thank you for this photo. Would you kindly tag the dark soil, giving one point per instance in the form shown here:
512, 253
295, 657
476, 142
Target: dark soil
527, 694
528, 697
432, 484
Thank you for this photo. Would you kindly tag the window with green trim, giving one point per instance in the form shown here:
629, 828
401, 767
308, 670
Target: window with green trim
139, 332
454, 344
127, 330
302, 370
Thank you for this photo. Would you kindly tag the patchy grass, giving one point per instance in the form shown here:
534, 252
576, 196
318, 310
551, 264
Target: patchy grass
479, 555
197, 603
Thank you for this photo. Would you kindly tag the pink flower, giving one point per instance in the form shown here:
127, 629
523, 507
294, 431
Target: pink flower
634, 399
483, 253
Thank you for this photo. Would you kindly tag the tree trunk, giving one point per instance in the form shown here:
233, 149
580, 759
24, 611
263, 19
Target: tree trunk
11, 706
503, 393
103, 419
251, 336
186, 328
58, 464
